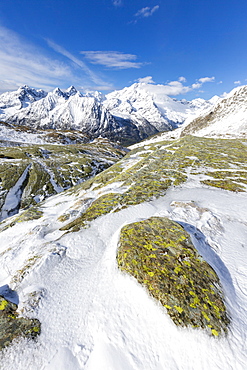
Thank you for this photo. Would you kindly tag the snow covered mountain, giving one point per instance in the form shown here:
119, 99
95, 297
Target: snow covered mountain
128, 115
146, 103
70, 110
228, 118
11, 102
141, 267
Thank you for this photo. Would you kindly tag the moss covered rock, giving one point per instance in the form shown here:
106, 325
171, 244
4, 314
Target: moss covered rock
12, 327
158, 252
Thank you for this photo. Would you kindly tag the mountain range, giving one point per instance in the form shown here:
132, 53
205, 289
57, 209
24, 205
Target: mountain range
122, 258
128, 116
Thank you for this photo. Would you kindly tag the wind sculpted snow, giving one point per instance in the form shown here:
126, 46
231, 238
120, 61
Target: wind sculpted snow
63, 263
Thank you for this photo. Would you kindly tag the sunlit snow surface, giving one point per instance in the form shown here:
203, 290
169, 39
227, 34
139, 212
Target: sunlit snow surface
95, 317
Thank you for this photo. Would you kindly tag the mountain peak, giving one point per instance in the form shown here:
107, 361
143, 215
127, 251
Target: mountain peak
130, 115
24, 87
58, 91
71, 91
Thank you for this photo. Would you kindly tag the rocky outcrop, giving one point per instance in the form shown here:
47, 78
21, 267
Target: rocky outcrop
12, 326
158, 252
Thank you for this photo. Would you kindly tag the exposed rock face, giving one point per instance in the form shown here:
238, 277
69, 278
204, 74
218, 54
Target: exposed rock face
148, 106
158, 252
12, 327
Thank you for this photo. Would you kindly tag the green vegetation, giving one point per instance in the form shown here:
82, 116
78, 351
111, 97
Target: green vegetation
160, 255
13, 327
220, 163
52, 167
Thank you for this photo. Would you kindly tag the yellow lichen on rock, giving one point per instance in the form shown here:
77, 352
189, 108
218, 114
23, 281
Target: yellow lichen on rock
154, 251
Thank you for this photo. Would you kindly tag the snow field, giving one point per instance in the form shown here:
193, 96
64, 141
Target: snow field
95, 317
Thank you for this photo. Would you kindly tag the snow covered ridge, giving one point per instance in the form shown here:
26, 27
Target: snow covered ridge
29, 174
129, 115
228, 118
60, 258
142, 101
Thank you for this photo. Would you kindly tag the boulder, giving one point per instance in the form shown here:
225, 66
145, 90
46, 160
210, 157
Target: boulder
12, 326
158, 252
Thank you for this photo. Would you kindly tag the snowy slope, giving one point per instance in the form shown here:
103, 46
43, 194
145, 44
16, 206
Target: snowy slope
95, 317
11, 102
142, 101
12, 135
228, 118
58, 109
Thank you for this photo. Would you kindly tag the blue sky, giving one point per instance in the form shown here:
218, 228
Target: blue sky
195, 48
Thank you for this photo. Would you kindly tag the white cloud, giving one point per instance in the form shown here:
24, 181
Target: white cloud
201, 81
112, 59
174, 88
182, 79
22, 63
147, 80
196, 85
117, 2
59, 49
206, 79
224, 95
147, 11
237, 82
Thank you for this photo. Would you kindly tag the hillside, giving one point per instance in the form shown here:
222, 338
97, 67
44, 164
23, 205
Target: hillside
228, 118
141, 267
31, 173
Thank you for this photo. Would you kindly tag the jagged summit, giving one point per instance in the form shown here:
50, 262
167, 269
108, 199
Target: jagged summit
10, 102
149, 105
128, 115
71, 90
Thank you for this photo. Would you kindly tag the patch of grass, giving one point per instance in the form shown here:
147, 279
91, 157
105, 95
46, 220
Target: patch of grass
168, 164
53, 166
158, 252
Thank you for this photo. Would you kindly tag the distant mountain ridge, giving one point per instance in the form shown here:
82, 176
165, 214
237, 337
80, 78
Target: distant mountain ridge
142, 101
128, 116
227, 118
101, 243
